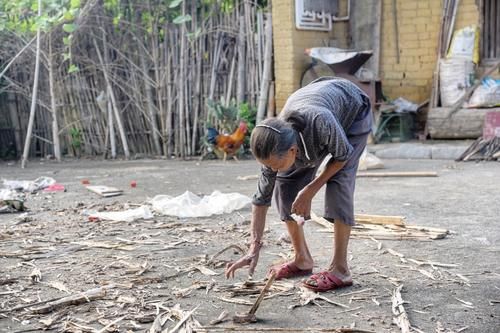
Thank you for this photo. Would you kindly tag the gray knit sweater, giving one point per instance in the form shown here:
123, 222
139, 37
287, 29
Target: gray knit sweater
324, 114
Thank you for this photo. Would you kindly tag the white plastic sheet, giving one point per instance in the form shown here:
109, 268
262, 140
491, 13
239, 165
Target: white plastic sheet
189, 204
368, 161
29, 185
129, 215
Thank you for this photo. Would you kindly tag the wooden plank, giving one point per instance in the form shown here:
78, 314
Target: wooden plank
451, 25
396, 28
481, 30
435, 78
398, 174
497, 51
491, 23
377, 38
380, 219
364, 219
104, 191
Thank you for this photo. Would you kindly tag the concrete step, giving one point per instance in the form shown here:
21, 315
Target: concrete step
436, 150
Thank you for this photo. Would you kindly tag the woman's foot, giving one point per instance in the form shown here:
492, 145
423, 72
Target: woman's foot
328, 280
290, 270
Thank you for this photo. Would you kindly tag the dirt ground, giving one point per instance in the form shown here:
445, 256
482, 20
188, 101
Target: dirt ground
155, 264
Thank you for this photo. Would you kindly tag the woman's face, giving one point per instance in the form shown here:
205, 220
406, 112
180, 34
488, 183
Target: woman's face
283, 163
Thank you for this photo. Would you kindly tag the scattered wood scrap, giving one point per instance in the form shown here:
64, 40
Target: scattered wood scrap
310, 297
186, 321
398, 174
387, 231
207, 329
400, 315
251, 287
482, 149
74, 299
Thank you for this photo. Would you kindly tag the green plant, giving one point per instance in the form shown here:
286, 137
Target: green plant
228, 117
76, 138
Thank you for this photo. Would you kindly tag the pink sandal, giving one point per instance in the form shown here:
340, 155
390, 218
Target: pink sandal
288, 270
325, 281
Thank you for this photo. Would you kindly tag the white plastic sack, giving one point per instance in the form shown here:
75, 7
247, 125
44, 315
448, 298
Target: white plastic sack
189, 204
454, 79
129, 215
465, 43
368, 161
29, 185
404, 105
486, 95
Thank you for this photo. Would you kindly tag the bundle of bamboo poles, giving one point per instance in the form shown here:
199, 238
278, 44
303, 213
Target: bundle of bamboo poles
143, 83
482, 149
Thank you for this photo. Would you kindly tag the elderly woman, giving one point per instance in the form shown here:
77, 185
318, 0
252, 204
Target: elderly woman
330, 116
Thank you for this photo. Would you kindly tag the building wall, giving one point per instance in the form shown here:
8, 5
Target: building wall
418, 21
290, 43
418, 25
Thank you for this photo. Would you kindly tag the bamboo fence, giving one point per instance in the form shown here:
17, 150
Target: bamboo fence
142, 84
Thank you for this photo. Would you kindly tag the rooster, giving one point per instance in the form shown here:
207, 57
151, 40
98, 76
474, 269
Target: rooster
228, 144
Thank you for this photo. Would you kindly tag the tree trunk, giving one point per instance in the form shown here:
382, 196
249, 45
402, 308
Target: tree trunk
27, 141
53, 105
266, 75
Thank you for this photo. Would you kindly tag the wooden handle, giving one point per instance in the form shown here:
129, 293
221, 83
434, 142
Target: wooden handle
262, 293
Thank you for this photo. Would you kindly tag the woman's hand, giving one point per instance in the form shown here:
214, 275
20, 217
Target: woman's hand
302, 204
250, 259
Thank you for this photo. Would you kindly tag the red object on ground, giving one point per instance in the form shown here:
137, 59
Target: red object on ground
93, 219
133, 183
54, 188
85, 182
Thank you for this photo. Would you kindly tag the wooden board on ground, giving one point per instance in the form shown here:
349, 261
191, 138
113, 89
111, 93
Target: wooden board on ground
379, 219
387, 231
105, 191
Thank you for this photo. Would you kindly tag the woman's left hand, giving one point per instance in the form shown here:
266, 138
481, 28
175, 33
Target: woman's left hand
302, 204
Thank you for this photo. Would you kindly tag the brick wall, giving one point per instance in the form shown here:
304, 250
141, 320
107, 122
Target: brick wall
289, 45
418, 21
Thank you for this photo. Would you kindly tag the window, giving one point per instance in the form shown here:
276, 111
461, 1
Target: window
490, 30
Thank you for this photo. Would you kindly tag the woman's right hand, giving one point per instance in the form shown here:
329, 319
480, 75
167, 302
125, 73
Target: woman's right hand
250, 260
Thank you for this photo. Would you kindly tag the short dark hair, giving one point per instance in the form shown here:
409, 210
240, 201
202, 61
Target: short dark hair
265, 141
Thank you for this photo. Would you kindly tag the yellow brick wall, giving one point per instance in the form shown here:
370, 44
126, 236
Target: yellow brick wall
418, 21
290, 43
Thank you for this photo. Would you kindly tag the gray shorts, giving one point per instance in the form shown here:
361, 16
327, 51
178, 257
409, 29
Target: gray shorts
339, 194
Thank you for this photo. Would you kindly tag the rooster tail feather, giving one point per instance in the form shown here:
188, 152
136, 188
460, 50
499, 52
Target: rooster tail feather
212, 134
